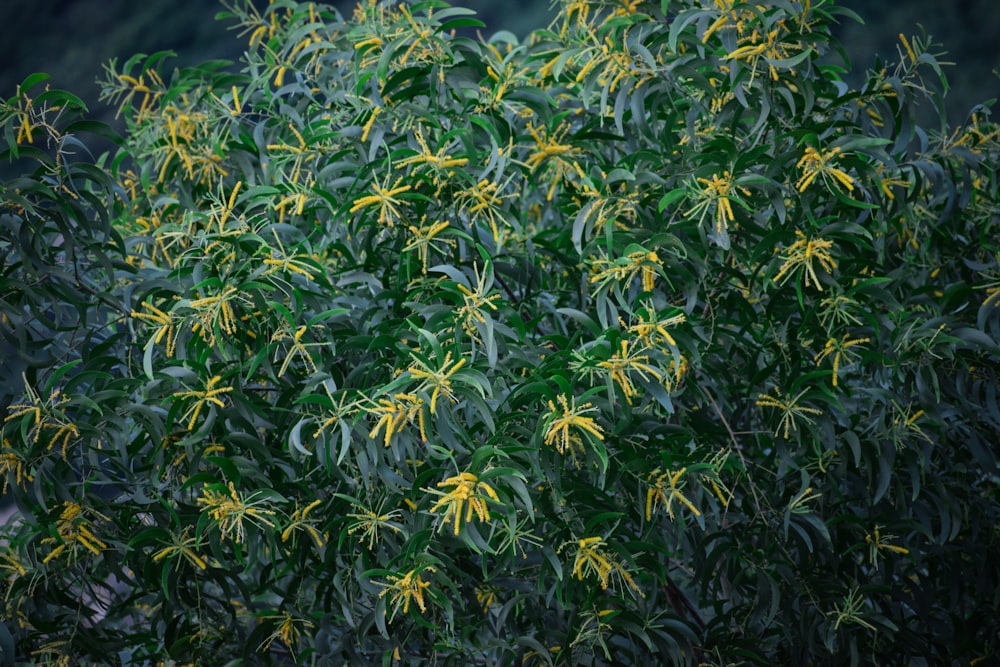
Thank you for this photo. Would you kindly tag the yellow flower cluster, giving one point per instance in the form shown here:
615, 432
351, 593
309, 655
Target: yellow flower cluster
642, 263
12, 463
629, 359
438, 381
790, 409
770, 46
590, 559
229, 510
465, 492
814, 164
216, 313
552, 149
799, 257
9, 562
394, 414
386, 201
483, 201
569, 415
664, 489
297, 349
423, 238
30, 116
474, 301
368, 522
407, 588
878, 541
839, 349
437, 160
48, 421
167, 328
733, 15
299, 521
720, 192
187, 142
184, 546
208, 396
74, 528
653, 330
287, 631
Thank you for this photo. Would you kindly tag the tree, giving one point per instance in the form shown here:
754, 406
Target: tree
643, 337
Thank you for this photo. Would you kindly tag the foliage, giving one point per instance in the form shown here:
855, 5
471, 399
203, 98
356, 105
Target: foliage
642, 339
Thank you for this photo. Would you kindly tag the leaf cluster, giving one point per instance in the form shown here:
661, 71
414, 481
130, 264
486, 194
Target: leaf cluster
642, 338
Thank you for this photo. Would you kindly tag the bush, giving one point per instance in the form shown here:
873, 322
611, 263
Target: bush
642, 339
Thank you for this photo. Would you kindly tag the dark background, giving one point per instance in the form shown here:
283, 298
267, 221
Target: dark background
71, 39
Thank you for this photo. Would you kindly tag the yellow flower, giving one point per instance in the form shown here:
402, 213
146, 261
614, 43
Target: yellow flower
167, 327
878, 542
548, 146
799, 257
467, 493
394, 415
839, 349
561, 157
799, 504
210, 395
184, 546
299, 521
376, 110
729, 18
613, 60
439, 380
757, 45
438, 160
839, 309
719, 191
560, 421
483, 200
281, 261
486, 596
850, 611
385, 198
368, 522
74, 529
887, 182
296, 348
407, 588
187, 142
790, 410
287, 631
652, 331
216, 313
909, 49
591, 560
813, 164
129, 87
640, 263
676, 369
627, 361
46, 417
51, 654
423, 239
664, 488
905, 420
476, 301
9, 562
229, 510
991, 284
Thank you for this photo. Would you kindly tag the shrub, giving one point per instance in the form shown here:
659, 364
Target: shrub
642, 339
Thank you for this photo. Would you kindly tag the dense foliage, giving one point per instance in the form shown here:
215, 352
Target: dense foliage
643, 339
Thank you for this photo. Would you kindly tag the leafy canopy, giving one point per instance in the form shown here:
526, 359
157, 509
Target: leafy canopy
643, 338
